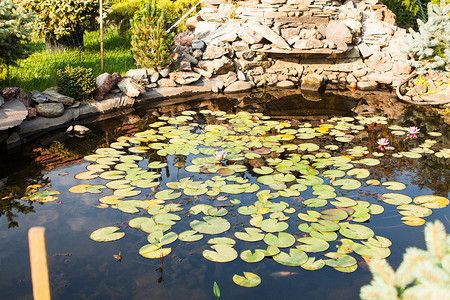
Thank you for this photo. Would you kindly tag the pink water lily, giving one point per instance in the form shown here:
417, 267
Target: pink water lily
413, 132
220, 155
382, 143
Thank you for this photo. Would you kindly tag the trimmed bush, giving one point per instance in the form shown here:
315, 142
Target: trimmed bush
78, 82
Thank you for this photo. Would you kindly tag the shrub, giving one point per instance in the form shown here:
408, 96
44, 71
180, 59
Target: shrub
15, 29
57, 18
407, 11
150, 43
121, 13
78, 82
430, 45
423, 274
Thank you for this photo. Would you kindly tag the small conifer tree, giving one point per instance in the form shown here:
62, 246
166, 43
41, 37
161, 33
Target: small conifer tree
423, 274
150, 43
15, 29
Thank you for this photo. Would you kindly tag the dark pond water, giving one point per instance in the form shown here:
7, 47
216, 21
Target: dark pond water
81, 268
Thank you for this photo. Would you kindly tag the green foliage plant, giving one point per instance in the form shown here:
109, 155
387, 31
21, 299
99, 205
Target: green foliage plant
58, 18
216, 290
151, 44
407, 11
15, 29
423, 274
122, 12
430, 45
77, 82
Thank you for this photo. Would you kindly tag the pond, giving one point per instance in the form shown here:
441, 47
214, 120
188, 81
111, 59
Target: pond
297, 180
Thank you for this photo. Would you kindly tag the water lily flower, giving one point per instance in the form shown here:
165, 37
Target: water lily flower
220, 155
382, 143
413, 132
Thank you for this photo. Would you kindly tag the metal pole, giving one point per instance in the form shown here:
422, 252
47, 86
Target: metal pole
101, 36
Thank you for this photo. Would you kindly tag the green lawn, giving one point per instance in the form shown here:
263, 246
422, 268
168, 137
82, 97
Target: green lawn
39, 70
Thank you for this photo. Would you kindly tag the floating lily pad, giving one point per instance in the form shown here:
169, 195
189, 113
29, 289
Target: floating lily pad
131, 206
79, 189
339, 260
128, 192
312, 264
190, 236
431, 201
250, 257
107, 234
247, 210
250, 235
359, 173
356, 231
248, 280
334, 214
343, 202
160, 239
413, 221
414, 210
371, 251
315, 202
86, 175
312, 244
222, 253
325, 225
167, 195
210, 225
396, 199
283, 240
295, 258
347, 184
273, 225
112, 175
154, 251
394, 185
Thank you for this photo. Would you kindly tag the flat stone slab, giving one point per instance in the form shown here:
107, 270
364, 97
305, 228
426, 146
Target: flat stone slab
12, 113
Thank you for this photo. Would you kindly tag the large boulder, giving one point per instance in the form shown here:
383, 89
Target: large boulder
184, 77
12, 113
338, 32
104, 84
203, 29
130, 87
238, 87
38, 97
50, 110
380, 61
313, 83
218, 66
54, 96
137, 74
215, 51
270, 35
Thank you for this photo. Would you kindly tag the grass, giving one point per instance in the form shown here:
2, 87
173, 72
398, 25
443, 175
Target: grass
38, 71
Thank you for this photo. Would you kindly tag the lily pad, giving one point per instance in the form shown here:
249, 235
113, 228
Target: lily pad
396, 199
154, 251
295, 258
250, 257
222, 253
250, 235
347, 184
131, 206
394, 185
210, 225
325, 225
283, 240
107, 234
190, 236
431, 201
312, 264
248, 280
359, 173
371, 251
312, 244
414, 210
356, 231
339, 260
273, 225
160, 239
167, 195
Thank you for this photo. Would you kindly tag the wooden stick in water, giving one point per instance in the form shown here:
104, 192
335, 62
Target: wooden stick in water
38, 262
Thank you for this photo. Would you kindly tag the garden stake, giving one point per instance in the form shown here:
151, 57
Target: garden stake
38, 262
